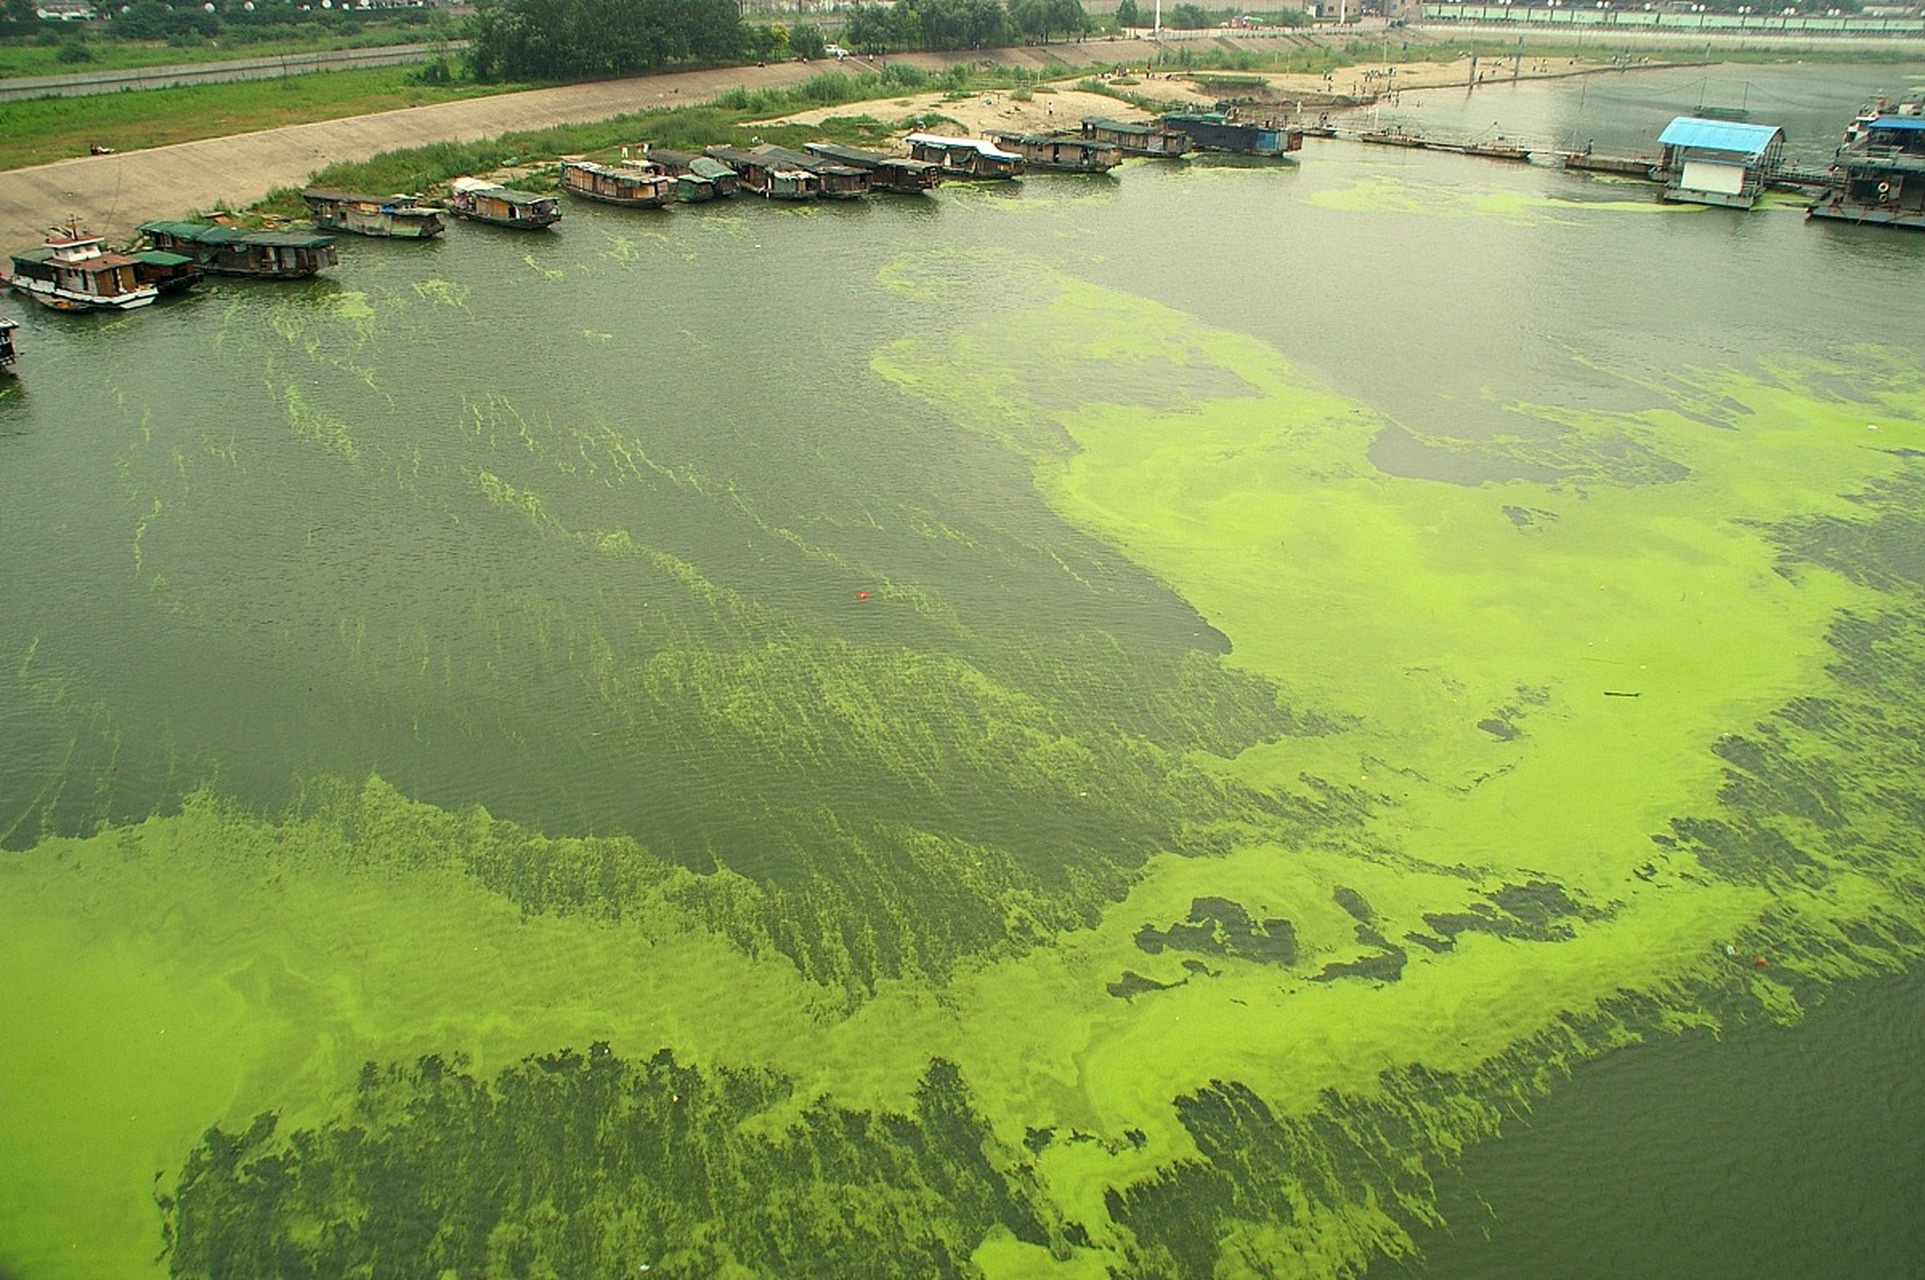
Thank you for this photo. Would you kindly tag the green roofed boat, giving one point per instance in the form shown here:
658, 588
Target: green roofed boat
479, 200
232, 251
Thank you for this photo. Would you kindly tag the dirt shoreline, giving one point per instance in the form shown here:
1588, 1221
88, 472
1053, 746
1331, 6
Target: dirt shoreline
113, 194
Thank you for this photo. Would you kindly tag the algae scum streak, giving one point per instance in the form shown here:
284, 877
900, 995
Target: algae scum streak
1002, 770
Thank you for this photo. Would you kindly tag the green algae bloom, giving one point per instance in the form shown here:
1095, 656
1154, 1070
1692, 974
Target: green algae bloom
1303, 818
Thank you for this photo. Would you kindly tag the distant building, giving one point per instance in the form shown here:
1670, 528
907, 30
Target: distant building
66, 10
1718, 162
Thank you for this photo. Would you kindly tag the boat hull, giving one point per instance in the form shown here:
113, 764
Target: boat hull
56, 299
384, 228
1868, 215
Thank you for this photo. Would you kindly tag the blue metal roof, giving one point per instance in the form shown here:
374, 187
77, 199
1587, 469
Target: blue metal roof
1914, 123
1719, 135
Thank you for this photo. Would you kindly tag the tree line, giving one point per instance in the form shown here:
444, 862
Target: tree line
961, 24
585, 39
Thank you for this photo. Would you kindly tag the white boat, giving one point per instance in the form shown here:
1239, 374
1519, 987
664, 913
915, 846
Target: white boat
69, 271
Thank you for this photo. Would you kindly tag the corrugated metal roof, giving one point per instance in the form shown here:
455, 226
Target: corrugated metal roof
1915, 124
1719, 135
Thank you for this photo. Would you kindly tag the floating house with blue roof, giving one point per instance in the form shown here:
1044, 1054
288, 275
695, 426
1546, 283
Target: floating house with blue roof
1720, 162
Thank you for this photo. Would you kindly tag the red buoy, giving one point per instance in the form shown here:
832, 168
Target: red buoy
862, 595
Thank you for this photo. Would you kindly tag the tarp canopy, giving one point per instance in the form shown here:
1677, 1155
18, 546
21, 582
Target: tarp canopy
1729, 136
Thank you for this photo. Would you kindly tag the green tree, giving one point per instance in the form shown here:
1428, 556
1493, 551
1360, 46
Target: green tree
142, 20
1128, 15
807, 41
1188, 17
869, 29
1042, 19
585, 39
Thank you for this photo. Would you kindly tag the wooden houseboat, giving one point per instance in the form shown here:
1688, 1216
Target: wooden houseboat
1878, 176
230, 251
1146, 139
395, 217
6, 343
1718, 162
839, 181
69, 271
1061, 152
635, 184
968, 158
698, 178
1216, 131
899, 174
480, 200
768, 177
168, 272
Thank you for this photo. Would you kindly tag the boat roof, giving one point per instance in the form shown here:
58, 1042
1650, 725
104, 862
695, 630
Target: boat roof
49, 253
628, 171
162, 258
1052, 139
1915, 124
316, 193
6, 324
868, 159
962, 144
209, 233
1720, 135
1120, 126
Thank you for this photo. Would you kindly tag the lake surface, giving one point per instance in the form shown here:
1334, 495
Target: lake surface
1195, 721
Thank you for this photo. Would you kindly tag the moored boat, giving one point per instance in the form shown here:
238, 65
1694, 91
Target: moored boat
69, 271
1137, 139
1217, 131
1061, 152
634, 184
967, 158
397, 217
698, 178
767, 176
232, 251
886, 173
1878, 176
838, 181
480, 200
6, 343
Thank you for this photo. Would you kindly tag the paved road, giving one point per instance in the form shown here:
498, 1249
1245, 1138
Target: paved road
88, 83
114, 194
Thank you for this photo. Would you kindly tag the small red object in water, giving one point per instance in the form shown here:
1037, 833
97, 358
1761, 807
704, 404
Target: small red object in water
1759, 961
862, 595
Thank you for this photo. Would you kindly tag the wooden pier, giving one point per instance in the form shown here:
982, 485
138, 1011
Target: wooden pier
1803, 179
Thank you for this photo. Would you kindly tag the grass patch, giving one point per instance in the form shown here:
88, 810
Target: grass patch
40, 56
44, 129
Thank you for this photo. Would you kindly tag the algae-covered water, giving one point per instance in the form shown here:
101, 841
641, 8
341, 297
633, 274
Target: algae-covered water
1087, 728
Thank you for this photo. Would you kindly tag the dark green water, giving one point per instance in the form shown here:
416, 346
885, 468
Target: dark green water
1088, 726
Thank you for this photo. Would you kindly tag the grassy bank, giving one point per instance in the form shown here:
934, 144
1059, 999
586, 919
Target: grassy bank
44, 129
45, 55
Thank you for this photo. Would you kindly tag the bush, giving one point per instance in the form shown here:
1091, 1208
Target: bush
74, 51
